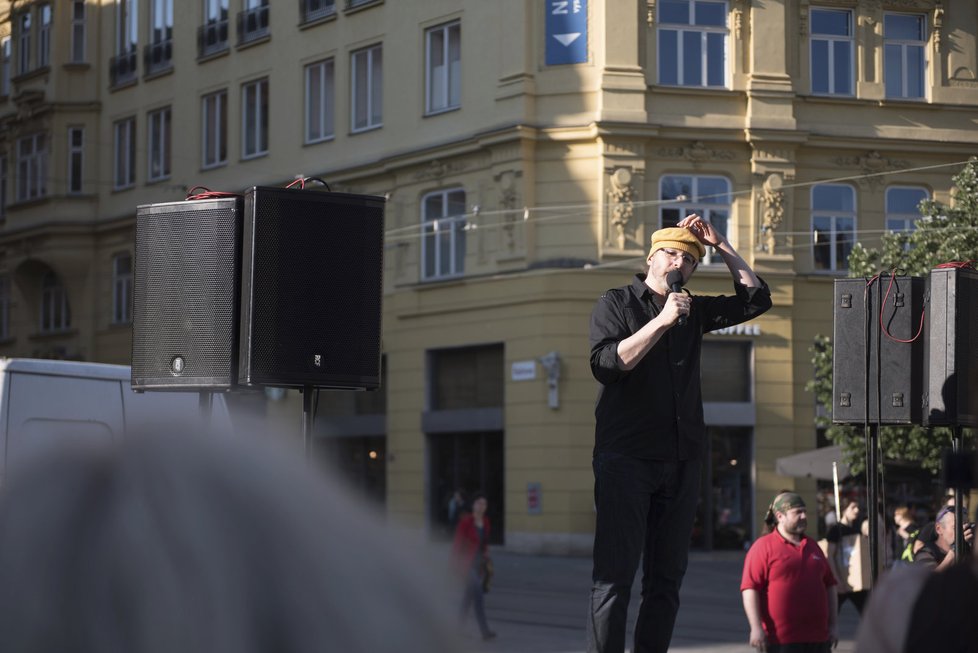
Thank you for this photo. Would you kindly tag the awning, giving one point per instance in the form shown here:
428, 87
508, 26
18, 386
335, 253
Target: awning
816, 463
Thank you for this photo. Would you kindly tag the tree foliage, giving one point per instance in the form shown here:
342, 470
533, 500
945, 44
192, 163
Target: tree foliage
943, 234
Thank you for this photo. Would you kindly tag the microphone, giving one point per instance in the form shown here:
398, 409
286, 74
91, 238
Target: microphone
675, 282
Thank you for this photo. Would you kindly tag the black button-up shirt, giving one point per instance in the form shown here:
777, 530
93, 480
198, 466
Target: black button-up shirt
655, 410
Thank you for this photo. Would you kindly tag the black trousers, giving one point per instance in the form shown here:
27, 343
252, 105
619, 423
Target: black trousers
814, 647
645, 512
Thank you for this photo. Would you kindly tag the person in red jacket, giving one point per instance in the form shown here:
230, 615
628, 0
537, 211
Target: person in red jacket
471, 552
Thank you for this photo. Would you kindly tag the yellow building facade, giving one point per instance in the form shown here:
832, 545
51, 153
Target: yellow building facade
527, 150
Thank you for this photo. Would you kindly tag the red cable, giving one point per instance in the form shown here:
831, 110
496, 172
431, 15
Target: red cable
920, 328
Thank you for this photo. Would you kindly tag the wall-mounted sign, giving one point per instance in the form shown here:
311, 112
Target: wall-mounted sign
566, 32
739, 330
523, 371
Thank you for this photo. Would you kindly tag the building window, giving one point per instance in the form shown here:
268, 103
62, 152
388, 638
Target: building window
367, 91
76, 154
215, 127
904, 48
316, 9
4, 181
832, 52
693, 38
467, 377
833, 225
253, 21
903, 207
254, 119
121, 289
55, 312
159, 144
5, 52
159, 52
213, 34
78, 31
32, 167
125, 153
319, 101
24, 43
443, 234
708, 197
122, 68
444, 65
4, 308
44, 36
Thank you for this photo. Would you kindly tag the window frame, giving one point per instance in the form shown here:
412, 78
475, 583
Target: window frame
6, 53
325, 69
121, 289
834, 216
219, 127
255, 117
76, 161
906, 219
45, 18
159, 138
78, 31
4, 307
55, 310
832, 38
32, 167
24, 22
904, 45
124, 153
448, 80
691, 203
454, 224
374, 60
127, 27
4, 185
678, 59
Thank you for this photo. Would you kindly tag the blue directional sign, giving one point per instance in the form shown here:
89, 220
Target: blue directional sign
566, 32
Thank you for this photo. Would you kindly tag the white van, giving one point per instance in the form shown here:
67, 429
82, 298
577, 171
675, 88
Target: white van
45, 400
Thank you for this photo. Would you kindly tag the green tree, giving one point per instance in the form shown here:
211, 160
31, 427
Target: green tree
943, 234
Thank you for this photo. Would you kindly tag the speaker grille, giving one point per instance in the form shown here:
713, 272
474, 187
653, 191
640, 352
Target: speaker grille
185, 294
952, 348
894, 387
311, 289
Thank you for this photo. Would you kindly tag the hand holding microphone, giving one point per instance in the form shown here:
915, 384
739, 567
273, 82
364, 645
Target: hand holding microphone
675, 282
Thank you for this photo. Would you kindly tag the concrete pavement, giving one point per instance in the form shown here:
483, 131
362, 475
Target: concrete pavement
538, 604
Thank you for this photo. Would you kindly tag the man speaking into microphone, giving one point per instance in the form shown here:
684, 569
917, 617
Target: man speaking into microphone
650, 435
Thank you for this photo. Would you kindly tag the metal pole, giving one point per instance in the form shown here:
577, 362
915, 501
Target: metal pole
956, 447
307, 418
872, 484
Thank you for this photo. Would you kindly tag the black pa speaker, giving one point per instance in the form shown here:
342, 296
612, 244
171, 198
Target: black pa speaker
951, 396
311, 287
185, 295
878, 350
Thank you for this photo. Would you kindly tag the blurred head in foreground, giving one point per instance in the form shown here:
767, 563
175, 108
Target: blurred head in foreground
193, 544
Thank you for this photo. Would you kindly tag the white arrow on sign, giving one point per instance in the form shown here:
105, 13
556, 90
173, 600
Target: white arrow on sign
567, 39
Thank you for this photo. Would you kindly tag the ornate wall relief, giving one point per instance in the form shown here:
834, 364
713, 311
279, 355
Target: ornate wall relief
621, 206
772, 212
871, 165
512, 218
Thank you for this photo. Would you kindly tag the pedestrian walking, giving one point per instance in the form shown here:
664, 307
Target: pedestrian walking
846, 543
471, 552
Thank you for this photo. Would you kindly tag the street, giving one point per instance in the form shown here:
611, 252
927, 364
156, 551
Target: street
538, 604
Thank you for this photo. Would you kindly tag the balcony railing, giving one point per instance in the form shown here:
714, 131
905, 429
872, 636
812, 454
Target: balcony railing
158, 57
252, 24
122, 68
311, 10
212, 38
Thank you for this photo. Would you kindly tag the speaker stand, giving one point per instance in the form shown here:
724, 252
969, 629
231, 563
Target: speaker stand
206, 404
872, 482
957, 442
307, 418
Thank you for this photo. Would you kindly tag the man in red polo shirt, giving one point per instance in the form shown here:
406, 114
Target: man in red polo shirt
788, 587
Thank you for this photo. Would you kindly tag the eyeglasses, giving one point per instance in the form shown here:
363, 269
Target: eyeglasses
674, 253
